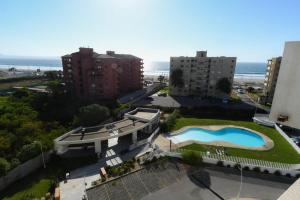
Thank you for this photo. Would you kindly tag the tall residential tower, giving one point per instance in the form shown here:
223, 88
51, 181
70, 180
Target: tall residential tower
200, 74
92, 77
271, 79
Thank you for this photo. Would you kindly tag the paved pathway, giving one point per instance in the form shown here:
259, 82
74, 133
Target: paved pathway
74, 188
168, 182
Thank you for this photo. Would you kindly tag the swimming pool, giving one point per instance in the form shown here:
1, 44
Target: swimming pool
235, 136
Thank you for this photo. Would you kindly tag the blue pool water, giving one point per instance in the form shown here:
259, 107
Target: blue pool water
236, 136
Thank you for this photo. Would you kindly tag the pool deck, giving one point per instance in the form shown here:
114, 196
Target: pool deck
269, 143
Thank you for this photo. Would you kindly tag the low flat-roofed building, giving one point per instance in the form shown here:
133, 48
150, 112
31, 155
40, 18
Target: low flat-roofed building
137, 127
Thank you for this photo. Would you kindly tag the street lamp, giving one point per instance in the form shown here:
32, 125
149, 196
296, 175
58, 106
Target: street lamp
42, 153
240, 167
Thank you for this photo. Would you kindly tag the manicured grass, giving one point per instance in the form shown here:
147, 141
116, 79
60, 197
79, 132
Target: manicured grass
281, 152
165, 89
37, 189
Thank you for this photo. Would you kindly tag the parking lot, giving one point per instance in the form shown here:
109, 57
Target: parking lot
171, 181
139, 184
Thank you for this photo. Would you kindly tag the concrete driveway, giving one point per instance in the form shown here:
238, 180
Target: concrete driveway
222, 183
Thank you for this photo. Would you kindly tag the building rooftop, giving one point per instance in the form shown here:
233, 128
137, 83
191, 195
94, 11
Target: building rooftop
144, 115
104, 131
109, 54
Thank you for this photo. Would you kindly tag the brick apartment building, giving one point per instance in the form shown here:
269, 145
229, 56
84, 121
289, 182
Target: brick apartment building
94, 77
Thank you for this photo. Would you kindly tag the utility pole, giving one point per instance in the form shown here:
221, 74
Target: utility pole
44, 164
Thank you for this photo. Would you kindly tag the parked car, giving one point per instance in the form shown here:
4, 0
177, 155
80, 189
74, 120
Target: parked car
241, 91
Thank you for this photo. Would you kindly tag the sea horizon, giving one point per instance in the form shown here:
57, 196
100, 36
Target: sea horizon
253, 70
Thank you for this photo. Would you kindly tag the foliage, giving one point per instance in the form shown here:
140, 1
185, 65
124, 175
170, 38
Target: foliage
91, 115
224, 85
4, 166
57, 105
171, 120
276, 154
20, 125
192, 158
176, 78
44, 180
124, 168
28, 151
220, 163
161, 78
53, 75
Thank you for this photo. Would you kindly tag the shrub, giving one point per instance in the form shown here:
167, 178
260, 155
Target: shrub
237, 166
171, 120
266, 171
220, 163
4, 166
192, 158
277, 173
246, 168
91, 115
228, 165
28, 151
288, 175
14, 162
256, 169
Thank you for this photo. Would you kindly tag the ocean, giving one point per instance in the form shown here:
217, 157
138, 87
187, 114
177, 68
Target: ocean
244, 70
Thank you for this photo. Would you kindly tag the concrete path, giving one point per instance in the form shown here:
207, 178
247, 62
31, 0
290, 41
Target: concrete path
74, 188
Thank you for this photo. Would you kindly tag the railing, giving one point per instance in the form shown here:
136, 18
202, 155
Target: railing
246, 161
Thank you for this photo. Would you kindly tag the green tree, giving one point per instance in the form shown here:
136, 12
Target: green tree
176, 78
91, 115
171, 120
224, 85
29, 151
4, 166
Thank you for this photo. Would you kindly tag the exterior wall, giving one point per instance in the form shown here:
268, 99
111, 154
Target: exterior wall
61, 146
271, 79
23, 170
201, 74
90, 76
287, 93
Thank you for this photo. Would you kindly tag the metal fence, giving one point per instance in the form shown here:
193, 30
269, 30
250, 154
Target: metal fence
246, 161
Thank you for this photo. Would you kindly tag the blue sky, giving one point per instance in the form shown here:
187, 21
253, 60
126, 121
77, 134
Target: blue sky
252, 30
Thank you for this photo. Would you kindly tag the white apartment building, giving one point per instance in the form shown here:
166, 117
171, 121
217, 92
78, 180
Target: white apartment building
271, 80
286, 102
200, 74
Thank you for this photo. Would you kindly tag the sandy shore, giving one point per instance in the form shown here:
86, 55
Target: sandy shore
237, 81
5, 73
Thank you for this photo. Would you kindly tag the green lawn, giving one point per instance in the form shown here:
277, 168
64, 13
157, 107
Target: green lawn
39, 182
35, 189
165, 89
282, 151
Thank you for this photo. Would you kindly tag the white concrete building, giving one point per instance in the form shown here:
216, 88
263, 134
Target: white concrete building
286, 102
137, 128
271, 80
200, 74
